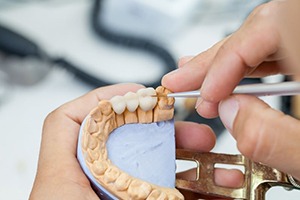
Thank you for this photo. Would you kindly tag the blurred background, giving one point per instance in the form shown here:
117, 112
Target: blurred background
52, 51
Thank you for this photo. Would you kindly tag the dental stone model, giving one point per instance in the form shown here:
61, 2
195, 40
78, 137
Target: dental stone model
126, 146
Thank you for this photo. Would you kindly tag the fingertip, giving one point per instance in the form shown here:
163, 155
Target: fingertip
190, 135
169, 80
232, 178
228, 110
207, 109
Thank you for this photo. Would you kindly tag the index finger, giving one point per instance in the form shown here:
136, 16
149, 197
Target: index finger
246, 49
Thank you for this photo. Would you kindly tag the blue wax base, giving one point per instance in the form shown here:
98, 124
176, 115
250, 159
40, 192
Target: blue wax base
145, 151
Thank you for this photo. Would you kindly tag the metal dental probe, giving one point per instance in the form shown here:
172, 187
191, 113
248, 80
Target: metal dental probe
260, 89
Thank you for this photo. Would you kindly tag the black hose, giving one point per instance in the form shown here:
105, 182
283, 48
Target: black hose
131, 42
15, 44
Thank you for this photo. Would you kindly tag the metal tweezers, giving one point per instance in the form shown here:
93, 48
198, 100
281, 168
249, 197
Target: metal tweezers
258, 178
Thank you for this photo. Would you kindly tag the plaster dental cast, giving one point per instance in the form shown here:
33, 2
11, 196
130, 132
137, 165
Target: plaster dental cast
146, 135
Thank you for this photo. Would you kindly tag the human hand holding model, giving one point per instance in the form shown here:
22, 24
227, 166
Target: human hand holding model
261, 47
59, 175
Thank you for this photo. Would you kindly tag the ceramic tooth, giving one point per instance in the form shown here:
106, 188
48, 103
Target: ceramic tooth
132, 101
147, 100
118, 104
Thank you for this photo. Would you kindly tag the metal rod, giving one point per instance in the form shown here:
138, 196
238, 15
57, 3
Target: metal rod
261, 89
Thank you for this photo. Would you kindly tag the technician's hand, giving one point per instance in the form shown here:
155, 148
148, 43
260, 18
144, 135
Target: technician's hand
255, 50
252, 51
59, 175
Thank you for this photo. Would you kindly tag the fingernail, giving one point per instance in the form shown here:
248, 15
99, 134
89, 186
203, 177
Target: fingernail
184, 60
199, 101
228, 110
187, 57
172, 72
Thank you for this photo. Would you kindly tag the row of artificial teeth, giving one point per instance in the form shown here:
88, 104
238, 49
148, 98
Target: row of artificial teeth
143, 98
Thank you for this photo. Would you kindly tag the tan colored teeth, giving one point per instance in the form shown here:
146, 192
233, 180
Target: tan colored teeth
140, 107
139, 189
99, 167
122, 182
157, 194
92, 142
96, 114
165, 105
92, 126
111, 174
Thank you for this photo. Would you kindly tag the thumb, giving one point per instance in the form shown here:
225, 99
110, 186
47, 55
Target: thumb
262, 133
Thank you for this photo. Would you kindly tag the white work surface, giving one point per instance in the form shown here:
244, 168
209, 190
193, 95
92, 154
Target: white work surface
64, 30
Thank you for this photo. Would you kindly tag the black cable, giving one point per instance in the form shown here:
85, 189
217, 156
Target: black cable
13, 43
16, 44
131, 42
88, 78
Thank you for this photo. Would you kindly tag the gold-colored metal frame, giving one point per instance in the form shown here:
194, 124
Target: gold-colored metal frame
258, 178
